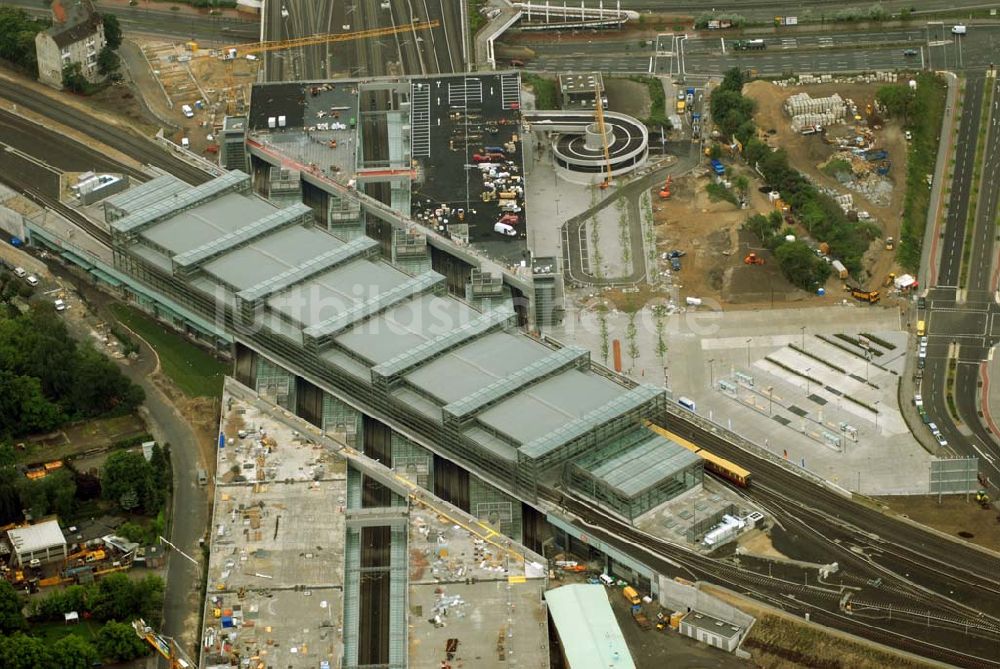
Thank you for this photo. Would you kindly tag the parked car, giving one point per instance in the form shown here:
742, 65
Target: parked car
60, 305
909, 52
20, 272
32, 280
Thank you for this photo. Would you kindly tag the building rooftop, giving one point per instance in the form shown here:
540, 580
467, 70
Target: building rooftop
207, 222
317, 128
706, 622
588, 630
37, 537
453, 119
72, 21
639, 468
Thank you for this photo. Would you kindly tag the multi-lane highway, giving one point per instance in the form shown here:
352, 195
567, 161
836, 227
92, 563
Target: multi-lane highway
791, 51
157, 20
804, 9
411, 51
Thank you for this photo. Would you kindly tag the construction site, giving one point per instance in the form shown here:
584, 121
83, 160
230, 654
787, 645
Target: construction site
41, 555
295, 566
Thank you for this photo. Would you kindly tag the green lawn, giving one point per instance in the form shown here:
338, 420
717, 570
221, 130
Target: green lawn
53, 631
194, 371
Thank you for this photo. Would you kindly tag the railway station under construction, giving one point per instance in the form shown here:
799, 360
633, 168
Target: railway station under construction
491, 418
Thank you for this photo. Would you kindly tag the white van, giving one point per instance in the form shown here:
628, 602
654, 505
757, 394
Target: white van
958, 30
504, 229
20, 272
187, 111
32, 281
606, 580
185, 142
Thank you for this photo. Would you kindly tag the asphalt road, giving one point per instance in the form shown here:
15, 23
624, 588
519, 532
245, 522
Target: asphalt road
794, 52
963, 318
766, 9
182, 599
409, 52
980, 292
148, 19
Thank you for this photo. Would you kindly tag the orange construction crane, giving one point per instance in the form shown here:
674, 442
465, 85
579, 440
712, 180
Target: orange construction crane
279, 45
163, 645
753, 259
599, 108
229, 53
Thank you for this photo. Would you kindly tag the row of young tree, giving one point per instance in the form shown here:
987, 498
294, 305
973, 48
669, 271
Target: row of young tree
47, 379
113, 601
817, 212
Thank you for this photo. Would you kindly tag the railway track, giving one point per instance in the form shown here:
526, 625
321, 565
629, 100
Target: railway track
821, 602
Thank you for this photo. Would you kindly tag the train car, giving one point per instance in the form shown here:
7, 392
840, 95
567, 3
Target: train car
713, 463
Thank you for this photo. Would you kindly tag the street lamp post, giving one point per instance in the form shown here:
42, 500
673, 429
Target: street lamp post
770, 399
748, 353
808, 389
876, 416
803, 329
711, 373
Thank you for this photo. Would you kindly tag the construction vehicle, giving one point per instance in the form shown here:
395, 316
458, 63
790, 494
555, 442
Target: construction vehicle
869, 296
665, 191
890, 243
889, 278
164, 645
983, 499
753, 259
599, 114
640, 619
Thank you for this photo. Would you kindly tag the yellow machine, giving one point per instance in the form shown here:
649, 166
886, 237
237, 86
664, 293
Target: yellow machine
599, 108
163, 645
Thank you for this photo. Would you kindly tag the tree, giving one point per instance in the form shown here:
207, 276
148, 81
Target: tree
114, 598
127, 479
24, 652
11, 603
118, 642
74, 652
112, 31
898, 100
23, 407
73, 79
107, 61
59, 602
801, 266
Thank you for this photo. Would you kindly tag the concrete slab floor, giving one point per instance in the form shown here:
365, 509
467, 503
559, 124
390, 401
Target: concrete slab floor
286, 455
890, 462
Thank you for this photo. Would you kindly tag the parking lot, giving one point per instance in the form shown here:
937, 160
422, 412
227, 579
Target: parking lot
468, 131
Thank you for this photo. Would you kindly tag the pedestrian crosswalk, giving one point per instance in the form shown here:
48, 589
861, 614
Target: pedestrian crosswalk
510, 90
420, 120
468, 91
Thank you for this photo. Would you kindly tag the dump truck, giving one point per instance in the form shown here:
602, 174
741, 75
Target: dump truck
632, 595
640, 618
869, 296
